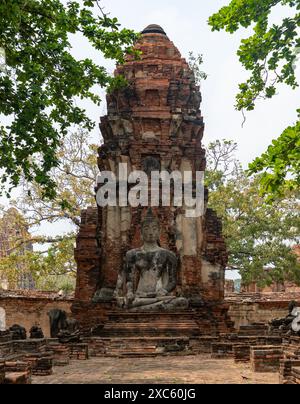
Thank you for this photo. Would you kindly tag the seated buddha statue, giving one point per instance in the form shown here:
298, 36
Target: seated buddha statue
149, 274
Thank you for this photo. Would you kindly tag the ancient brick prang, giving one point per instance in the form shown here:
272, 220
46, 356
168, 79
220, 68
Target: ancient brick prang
155, 123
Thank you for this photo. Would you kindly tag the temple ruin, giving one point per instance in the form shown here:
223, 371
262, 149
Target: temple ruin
150, 282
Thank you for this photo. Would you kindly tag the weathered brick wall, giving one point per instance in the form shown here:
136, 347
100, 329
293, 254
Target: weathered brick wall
31, 308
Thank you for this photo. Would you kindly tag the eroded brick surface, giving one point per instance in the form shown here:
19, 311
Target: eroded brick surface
194, 369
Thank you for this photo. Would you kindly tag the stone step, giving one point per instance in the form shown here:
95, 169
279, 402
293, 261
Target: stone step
137, 330
153, 317
137, 355
154, 324
131, 350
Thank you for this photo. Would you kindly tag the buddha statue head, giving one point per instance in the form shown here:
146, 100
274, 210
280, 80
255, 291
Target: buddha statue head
150, 228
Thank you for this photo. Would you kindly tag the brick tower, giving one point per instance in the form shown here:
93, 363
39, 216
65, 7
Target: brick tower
155, 123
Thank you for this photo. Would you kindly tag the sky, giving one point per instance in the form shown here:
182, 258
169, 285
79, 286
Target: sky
186, 25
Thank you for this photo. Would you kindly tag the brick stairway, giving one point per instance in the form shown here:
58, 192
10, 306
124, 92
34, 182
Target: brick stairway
134, 334
172, 324
146, 347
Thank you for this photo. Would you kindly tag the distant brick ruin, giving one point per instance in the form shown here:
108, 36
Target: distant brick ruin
155, 122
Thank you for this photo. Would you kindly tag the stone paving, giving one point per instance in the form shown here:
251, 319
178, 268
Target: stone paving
167, 370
